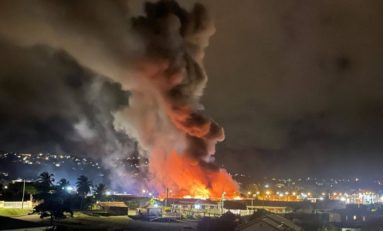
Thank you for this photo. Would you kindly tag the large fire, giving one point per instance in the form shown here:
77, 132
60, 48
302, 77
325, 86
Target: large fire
158, 58
165, 114
182, 177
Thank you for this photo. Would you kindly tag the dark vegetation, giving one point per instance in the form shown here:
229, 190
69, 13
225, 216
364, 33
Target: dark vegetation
57, 201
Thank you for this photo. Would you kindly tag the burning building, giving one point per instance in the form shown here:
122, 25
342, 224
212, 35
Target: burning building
179, 139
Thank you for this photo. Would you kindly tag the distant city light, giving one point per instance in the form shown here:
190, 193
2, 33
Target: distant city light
345, 190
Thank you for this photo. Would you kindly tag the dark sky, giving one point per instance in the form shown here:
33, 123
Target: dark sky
297, 85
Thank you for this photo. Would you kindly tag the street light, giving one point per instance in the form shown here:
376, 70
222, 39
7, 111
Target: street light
222, 199
69, 188
252, 200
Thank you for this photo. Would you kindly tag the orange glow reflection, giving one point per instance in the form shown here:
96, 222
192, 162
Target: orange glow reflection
186, 178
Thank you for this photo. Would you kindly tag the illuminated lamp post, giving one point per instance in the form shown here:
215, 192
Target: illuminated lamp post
267, 196
249, 195
22, 199
222, 199
167, 197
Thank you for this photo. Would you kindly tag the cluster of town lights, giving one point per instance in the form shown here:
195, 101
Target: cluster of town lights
349, 198
358, 197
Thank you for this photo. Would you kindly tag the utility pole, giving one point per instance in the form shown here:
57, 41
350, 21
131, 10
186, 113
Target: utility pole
167, 196
222, 202
22, 199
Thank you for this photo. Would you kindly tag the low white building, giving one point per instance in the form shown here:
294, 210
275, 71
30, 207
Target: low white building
16, 204
196, 207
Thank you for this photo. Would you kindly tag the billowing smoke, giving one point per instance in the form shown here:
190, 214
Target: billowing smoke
49, 103
158, 59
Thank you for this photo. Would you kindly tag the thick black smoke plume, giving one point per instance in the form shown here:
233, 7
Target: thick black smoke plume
156, 57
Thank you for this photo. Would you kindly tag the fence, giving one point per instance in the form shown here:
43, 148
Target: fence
16, 204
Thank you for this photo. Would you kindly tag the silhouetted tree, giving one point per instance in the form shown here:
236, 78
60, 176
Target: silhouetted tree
83, 185
45, 181
31, 189
15, 191
54, 207
100, 191
1, 189
63, 183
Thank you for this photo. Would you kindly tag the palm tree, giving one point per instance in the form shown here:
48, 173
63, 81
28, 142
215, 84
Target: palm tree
63, 186
63, 183
100, 191
83, 185
45, 181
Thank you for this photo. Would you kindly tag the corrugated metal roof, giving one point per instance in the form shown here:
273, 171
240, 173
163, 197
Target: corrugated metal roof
274, 221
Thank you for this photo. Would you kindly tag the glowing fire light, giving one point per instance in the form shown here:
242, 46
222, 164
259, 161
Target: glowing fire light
187, 179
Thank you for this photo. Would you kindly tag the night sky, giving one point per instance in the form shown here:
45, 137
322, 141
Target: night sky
297, 85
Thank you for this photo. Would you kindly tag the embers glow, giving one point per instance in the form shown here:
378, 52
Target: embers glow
184, 178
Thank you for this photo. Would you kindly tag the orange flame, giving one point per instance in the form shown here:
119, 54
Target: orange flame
185, 178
